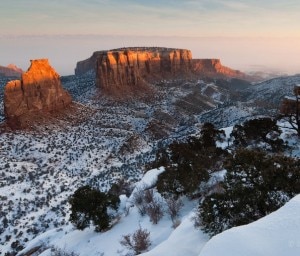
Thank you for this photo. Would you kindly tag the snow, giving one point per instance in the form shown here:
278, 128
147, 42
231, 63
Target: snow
290, 98
184, 240
226, 142
112, 140
149, 179
40, 171
276, 234
216, 177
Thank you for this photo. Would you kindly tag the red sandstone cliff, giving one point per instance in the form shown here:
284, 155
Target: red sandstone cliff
125, 69
129, 67
38, 91
214, 68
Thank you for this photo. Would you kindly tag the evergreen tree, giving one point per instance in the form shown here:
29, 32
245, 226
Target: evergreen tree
89, 205
255, 185
255, 132
290, 109
188, 164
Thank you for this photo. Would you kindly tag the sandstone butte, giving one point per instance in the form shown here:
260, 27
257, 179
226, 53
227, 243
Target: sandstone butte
38, 92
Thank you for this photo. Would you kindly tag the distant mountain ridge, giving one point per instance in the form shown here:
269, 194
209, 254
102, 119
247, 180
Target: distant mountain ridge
11, 71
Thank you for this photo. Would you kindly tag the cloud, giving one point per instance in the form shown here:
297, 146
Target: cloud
156, 17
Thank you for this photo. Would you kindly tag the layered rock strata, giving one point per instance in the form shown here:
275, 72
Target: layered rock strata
130, 67
214, 68
39, 91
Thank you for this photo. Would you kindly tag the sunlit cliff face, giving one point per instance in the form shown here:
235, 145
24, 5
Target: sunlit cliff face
128, 68
39, 71
38, 90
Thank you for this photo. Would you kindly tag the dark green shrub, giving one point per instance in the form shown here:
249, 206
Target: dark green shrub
188, 164
120, 187
256, 131
89, 205
255, 185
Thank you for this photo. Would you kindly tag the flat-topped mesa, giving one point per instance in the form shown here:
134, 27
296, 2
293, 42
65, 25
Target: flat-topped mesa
39, 90
129, 67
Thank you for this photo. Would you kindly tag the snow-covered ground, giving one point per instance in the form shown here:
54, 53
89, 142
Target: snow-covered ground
274, 235
165, 240
277, 234
39, 171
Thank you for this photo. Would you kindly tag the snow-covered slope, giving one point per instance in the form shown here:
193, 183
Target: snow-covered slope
273, 90
262, 99
165, 240
40, 170
184, 240
274, 235
277, 234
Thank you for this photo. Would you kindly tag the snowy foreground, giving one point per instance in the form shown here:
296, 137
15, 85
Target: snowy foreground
275, 234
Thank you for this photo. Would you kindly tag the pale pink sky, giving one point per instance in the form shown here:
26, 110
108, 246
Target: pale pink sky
242, 33
245, 54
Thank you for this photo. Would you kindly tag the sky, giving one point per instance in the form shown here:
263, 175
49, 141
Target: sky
245, 34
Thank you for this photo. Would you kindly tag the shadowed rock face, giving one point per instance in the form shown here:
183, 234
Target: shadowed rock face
39, 90
84, 66
131, 67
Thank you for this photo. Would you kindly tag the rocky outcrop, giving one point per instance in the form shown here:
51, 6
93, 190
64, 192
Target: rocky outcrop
38, 91
88, 65
10, 71
130, 67
214, 68
126, 69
